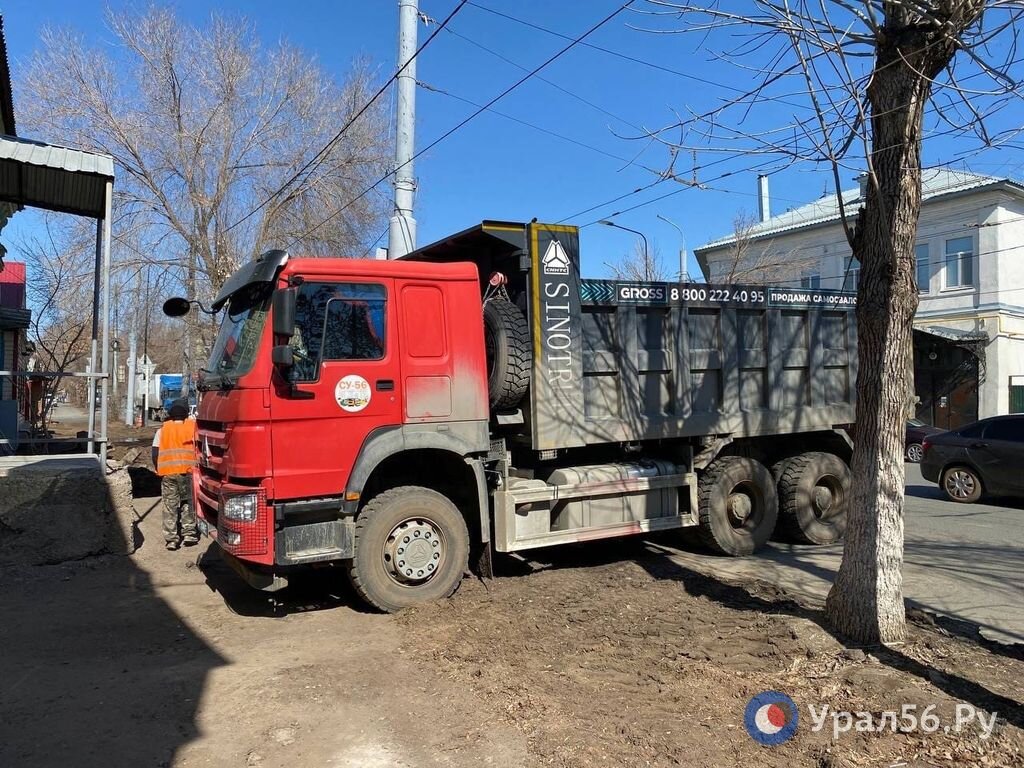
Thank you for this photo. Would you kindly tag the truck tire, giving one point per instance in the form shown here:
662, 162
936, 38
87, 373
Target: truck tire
737, 506
411, 546
814, 497
507, 340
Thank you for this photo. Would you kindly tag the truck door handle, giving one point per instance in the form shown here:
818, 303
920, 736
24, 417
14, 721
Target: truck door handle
979, 445
385, 385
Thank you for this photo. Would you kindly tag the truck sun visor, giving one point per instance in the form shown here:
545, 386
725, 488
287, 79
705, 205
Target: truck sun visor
263, 269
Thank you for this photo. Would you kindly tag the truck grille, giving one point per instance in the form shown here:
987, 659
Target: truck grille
212, 444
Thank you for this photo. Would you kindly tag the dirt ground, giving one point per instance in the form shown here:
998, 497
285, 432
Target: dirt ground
602, 656
605, 662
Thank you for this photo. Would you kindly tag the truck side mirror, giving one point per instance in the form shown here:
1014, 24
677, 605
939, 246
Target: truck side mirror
284, 311
282, 356
177, 307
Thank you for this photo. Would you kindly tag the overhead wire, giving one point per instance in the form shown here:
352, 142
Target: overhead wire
315, 161
520, 121
553, 84
466, 120
619, 54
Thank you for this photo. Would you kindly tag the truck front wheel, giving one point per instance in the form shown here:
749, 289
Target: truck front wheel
738, 506
411, 546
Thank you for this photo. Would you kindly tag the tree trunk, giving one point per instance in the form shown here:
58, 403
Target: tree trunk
866, 601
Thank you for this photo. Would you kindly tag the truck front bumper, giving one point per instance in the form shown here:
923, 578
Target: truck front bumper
257, 578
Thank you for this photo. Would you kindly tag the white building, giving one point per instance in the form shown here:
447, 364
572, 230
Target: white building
970, 271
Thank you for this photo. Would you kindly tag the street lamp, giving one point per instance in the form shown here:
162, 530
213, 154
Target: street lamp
647, 259
115, 345
684, 275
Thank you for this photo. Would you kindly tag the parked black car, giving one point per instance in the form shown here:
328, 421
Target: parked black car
984, 457
917, 431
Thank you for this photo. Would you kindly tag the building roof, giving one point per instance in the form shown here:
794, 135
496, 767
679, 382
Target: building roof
935, 183
952, 334
54, 177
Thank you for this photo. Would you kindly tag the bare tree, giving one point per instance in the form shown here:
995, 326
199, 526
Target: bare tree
866, 74
217, 140
751, 261
642, 264
60, 293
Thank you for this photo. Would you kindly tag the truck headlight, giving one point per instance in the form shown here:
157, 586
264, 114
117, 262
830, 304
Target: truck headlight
241, 507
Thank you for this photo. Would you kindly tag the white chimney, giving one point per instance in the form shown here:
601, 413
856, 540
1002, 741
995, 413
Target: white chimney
763, 206
863, 181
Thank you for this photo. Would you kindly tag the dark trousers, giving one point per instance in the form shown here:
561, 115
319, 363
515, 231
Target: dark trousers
176, 491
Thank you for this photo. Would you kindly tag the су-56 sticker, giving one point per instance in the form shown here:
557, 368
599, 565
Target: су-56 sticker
352, 393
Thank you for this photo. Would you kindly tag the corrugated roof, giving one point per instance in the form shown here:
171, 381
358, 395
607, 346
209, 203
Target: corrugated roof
13, 319
952, 334
935, 182
53, 177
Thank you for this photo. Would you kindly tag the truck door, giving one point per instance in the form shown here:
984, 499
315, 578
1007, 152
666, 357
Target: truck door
345, 384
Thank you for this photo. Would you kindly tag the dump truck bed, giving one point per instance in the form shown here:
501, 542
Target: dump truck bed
619, 361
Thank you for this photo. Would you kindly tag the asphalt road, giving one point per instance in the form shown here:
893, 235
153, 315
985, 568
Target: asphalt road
964, 561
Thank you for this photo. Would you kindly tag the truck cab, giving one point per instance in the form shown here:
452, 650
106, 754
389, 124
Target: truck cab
331, 378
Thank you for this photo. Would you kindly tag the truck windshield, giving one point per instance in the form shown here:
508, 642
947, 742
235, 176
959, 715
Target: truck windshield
235, 349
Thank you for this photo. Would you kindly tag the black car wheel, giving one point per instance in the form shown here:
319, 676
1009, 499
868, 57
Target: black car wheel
961, 484
915, 452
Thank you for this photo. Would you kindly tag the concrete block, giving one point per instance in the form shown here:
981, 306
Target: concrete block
58, 508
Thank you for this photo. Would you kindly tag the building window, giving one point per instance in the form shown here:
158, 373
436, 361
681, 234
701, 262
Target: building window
811, 282
960, 262
852, 278
924, 268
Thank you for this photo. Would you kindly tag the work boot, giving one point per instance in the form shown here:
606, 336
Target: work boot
171, 545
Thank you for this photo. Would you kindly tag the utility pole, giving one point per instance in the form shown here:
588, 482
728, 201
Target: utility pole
115, 348
402, 226
147, 368
129, 406
684, 275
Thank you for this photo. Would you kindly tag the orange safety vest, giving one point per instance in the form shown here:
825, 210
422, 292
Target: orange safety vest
177, 452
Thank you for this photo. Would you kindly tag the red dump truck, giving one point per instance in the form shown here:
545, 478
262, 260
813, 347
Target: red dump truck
404, 418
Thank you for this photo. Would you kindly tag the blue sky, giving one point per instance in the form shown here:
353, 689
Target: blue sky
498, 168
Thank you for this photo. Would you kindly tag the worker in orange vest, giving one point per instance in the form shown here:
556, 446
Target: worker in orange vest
174, 456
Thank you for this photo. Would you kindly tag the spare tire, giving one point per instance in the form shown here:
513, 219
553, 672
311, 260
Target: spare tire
507, 340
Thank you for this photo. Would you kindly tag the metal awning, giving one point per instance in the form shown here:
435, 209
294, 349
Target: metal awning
56, 178
14, 319
952, 334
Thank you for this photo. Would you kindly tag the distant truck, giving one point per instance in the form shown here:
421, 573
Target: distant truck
396, 417
164, 389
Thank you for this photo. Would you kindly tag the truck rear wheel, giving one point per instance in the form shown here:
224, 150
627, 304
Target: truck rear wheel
411, 546
737, 506
507, 340
814, 495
